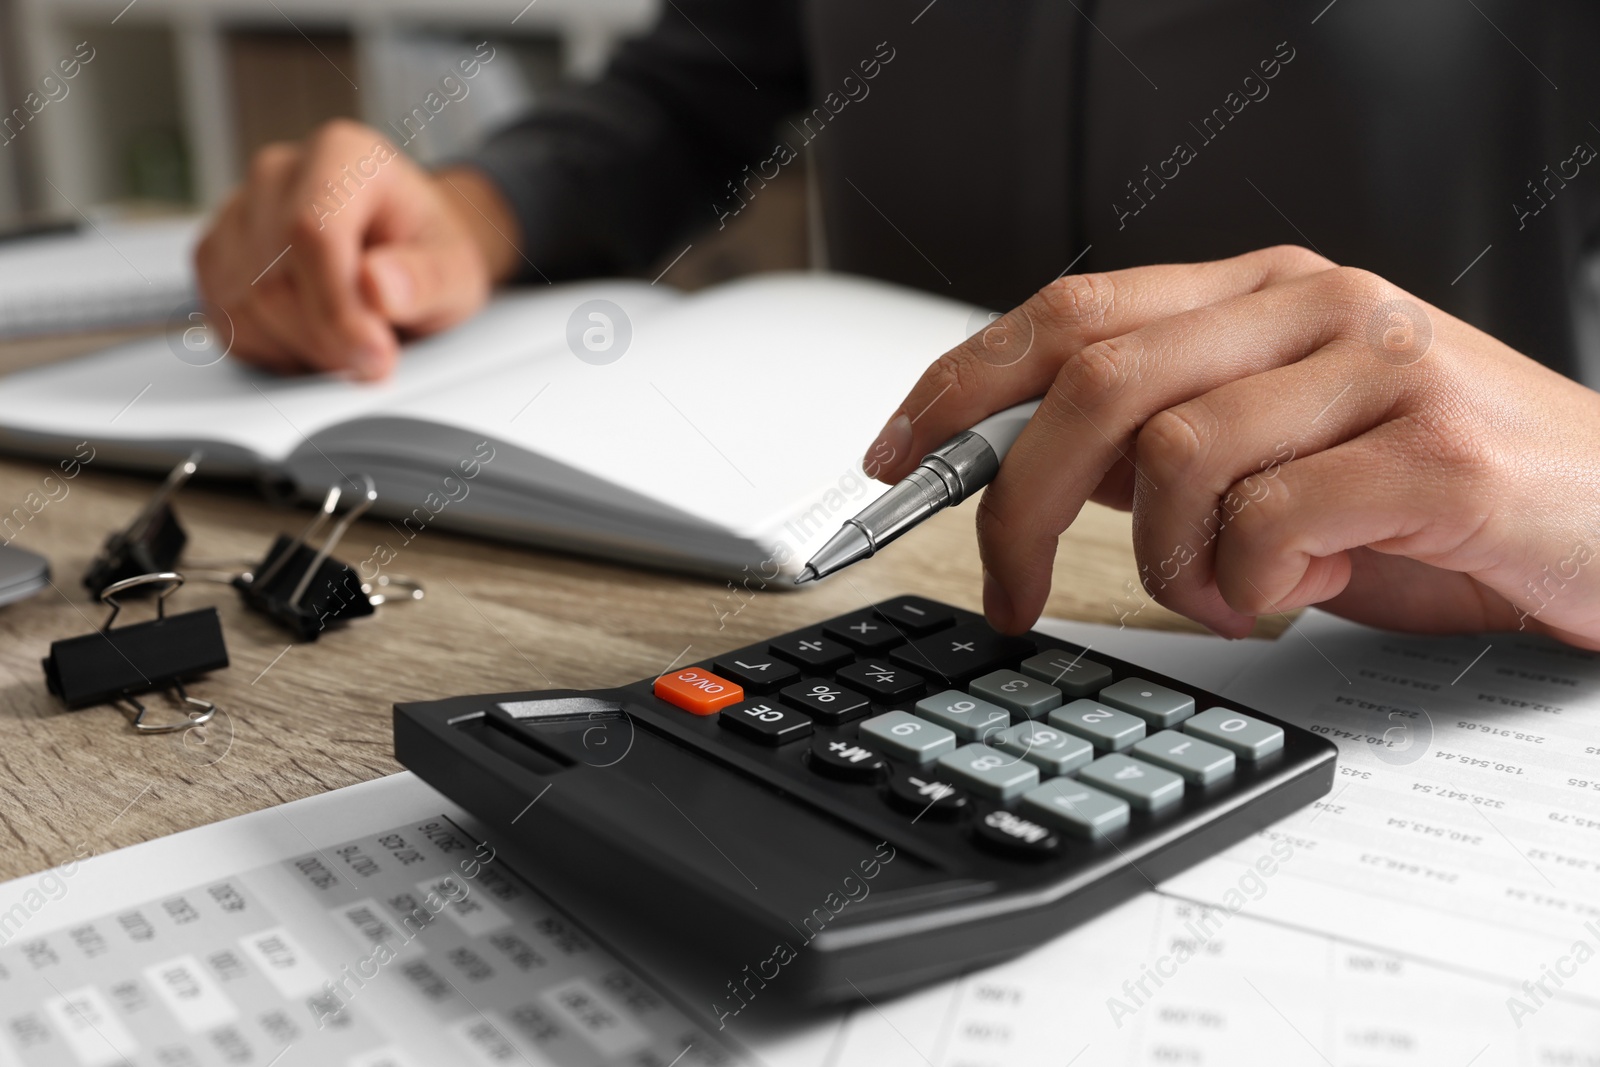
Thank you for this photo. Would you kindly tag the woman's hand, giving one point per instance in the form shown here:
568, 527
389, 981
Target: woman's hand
336, 246
1286, 432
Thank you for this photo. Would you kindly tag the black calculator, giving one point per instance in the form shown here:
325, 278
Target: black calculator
882, 800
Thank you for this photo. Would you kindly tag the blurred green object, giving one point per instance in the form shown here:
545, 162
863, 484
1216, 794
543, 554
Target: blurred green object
158, 165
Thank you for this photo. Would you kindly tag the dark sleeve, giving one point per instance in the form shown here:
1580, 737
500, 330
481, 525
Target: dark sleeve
605, 176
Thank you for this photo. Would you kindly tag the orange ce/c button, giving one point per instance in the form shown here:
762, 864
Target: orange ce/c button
698, 691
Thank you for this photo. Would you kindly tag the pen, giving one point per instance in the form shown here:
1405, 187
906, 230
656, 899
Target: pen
945, 477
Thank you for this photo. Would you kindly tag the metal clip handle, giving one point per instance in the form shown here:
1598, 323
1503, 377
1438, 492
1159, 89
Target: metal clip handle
137, 712
368, 498
174, 481
172, 579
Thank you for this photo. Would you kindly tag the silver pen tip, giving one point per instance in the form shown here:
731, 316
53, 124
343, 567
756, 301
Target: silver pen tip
807, 575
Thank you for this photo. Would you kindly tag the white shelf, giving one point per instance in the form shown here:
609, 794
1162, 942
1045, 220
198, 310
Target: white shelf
70, 153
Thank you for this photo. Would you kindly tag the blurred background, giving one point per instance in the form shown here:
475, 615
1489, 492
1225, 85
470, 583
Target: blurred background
179, 93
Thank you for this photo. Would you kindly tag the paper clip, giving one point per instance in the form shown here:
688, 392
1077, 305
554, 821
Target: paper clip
115, 665
304, 589
152, 542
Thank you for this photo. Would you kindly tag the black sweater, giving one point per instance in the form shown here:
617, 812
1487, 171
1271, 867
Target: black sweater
976, 148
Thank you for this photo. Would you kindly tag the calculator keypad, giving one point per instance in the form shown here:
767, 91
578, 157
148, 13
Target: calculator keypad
1051, 746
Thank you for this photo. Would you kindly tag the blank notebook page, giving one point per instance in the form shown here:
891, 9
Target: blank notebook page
733, 405
144, 392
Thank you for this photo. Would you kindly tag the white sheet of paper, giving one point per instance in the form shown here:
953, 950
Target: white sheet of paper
365, 926
111, 272
1464, 825
731, 404
143, 391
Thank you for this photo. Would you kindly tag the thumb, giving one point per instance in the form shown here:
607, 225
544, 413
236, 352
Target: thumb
425, 286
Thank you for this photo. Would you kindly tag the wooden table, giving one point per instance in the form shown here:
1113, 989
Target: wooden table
297, 719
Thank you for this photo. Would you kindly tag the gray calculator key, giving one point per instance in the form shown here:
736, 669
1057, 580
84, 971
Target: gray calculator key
1080, 810
1144, 785
970, 718
1053, 751
988, 772
1200, 762
902, 734
1249, 739
1071, 672
1017, 692
1157, 705
1108, 728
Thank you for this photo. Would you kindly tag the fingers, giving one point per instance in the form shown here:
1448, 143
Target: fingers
1103, 395
1017, 357
1396, 593
425, 286
1295, 545
340, 187
332, 246
1208, 459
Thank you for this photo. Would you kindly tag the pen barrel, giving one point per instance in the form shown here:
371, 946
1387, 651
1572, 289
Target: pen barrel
965, 464
946, 477
911, 500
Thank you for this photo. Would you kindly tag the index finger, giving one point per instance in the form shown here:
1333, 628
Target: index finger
1017, 357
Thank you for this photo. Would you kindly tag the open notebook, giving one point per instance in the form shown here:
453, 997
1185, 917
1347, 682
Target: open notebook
109, 272
728, 435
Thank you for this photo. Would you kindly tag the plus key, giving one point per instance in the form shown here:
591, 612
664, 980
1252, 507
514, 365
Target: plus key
963, 652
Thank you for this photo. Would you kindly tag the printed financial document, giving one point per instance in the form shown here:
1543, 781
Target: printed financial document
1390, 923
1463, 828
367, 927
1394, 923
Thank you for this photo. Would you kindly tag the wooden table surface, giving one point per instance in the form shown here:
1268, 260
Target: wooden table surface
297, 719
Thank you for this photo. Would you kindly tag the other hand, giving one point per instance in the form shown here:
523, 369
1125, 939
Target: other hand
336, 247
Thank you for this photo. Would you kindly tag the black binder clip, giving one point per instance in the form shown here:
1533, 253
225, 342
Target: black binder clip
304, 589
114, 666
152, 542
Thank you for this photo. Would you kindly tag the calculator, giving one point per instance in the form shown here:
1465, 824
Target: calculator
884, 799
